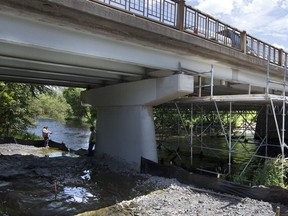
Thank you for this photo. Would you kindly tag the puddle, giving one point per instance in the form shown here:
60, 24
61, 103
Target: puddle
54, 152
78, 194
60, 154
62, 185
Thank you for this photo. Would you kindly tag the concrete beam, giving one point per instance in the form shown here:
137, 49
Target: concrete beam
125, 123
145, 92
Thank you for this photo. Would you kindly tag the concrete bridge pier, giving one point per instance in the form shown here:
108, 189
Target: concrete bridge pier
126, 132
125, 124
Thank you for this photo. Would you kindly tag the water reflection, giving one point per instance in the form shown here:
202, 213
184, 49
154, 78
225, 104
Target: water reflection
74, 135
78, 194
211, 154
58, 153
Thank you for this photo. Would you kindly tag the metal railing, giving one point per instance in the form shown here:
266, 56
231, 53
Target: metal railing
163, 11
176, 14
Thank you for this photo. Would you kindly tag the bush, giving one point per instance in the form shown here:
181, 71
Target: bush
272, 172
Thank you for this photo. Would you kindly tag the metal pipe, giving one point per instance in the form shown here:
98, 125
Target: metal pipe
283, 120
201, 134
191, 137
182, 121
266, 135
283, 112
250, 161
199, 86
267, 74
222, 126
230, 133
208, 171
212, 80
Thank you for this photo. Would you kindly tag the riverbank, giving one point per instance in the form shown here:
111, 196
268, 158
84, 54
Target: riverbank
44, 185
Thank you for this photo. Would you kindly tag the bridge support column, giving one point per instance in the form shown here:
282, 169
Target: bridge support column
126, 132
125, 124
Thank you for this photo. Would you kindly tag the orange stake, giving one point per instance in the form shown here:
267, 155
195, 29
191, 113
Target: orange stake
55, 186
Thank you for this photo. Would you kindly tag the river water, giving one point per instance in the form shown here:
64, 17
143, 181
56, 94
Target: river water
76, 136
73, 134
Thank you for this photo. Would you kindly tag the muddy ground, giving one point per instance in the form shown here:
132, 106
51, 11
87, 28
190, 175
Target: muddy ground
32, 182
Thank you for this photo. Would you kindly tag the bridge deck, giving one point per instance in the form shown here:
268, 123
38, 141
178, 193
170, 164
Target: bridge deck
243, 102
97, 43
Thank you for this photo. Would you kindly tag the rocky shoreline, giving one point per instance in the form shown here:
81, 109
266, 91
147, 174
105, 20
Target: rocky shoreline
183, 200
39, 184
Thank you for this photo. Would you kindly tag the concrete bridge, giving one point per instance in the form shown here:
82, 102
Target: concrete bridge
131, 57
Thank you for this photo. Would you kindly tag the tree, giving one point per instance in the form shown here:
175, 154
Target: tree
51, 106
72, 96
16, 117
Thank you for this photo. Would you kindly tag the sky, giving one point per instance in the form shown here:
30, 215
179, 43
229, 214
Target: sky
266, 20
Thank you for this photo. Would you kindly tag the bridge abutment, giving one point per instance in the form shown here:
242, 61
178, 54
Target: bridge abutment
125, 124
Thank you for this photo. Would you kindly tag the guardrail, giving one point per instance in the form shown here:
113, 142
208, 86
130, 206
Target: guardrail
178, 15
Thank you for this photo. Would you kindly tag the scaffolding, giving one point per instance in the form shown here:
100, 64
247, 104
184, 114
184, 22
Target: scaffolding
214, 108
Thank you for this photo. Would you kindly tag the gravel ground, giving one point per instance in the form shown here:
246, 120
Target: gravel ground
183, 200
168, 197
173, 198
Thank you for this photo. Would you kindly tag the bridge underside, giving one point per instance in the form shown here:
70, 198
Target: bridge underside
90, 51
261, 134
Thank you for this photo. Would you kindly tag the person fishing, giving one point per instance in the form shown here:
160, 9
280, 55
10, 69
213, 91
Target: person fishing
45, 135
92, 141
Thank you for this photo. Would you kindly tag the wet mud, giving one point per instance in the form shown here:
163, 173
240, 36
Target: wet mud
62, 185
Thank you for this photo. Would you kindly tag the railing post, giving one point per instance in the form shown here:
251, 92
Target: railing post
280, 57
243, 41
284, 58
180, 14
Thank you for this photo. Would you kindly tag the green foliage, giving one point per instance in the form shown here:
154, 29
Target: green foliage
51, 106
16, 117
73, 97
168, 121
239, 179
269, 172
21, 103
91, 115
272, 172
